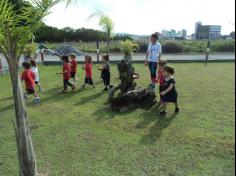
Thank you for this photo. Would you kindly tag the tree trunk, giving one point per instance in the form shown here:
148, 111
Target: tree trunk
26, 153
108, 42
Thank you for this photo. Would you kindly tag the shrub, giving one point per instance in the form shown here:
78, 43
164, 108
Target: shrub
172, 47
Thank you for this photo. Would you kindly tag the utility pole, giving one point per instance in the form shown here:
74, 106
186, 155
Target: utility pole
97, 43
207, 51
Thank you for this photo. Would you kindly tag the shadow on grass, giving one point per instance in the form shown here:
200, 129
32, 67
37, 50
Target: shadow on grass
5, 99
87, 99
7, 108
155, 131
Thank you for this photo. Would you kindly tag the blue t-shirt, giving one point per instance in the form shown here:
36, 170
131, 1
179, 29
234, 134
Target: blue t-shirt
154, 52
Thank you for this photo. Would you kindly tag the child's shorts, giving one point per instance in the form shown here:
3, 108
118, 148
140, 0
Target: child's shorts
30, 91
88, 81
36, 82
72, 74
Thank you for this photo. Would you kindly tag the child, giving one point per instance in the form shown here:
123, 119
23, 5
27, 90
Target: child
88, 71
73, 66
29, 77
66, 74
105, 69
153, 55
34, 68
169, 93
161, 79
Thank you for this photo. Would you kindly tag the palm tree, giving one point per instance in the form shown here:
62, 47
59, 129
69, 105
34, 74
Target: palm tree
19, 19
107, 25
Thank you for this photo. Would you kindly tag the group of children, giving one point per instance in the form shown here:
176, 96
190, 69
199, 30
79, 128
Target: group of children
69, 71
163, 75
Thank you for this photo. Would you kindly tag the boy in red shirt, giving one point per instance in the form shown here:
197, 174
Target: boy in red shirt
88, 71
73, 66
66, 74
161, 78
28, 76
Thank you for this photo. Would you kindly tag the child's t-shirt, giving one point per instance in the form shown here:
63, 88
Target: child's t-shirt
66, 71
36, 73
73, 66
88, 70
28, 77
161, 77
154, 52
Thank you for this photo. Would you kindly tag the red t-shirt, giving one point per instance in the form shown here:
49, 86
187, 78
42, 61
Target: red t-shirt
88, 69
161, 77
66, 68
73, 65
28, 76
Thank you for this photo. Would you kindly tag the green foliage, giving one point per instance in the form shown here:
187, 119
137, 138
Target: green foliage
128, 47
30, 49
106, 24
18, 22
78, 134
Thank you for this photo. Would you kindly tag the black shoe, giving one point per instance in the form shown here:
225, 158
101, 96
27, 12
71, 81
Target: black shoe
105, 89
176, 110
111, 86
163, 113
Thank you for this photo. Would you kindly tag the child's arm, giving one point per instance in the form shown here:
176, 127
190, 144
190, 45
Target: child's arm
168, 89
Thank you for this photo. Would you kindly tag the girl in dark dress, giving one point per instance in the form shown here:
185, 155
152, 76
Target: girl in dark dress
169, 93
105, 72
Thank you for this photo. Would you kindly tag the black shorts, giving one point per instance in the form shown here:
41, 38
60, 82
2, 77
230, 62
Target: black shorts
36, 82
72, 74
30, 91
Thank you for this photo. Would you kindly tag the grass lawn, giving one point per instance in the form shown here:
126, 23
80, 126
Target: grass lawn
78, 134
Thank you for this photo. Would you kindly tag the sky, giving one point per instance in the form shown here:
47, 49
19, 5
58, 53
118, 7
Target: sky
144, 17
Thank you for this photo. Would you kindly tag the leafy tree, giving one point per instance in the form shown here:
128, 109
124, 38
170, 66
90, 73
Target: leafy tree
128, 47
19, 19
107, 25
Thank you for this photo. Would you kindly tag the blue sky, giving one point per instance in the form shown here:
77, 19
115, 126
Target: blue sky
146, 16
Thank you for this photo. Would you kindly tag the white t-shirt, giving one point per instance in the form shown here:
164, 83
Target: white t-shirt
36, 73
154, 52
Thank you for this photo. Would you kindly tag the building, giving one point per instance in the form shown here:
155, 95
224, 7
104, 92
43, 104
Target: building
172, 34
209, 32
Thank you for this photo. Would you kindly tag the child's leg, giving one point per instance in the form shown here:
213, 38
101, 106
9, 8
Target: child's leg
39, 86
65, 85
164, 105
71, 85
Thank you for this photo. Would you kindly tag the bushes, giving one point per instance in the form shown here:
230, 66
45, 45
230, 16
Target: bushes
172, 47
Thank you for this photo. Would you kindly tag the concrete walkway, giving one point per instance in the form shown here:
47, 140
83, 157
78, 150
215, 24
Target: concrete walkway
141, 57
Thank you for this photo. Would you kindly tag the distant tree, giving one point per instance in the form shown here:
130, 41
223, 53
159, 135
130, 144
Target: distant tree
107, 25
232, 35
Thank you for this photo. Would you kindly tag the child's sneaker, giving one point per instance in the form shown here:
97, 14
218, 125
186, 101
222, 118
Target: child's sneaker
163, 113
25, 95
105, 89
176, 110
73, 87
64, 91
111, 86
36, 100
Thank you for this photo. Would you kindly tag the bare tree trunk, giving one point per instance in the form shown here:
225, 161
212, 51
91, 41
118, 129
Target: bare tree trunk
26, 153
108, 43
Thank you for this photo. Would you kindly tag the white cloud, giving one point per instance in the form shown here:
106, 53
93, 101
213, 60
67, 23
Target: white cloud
147, 16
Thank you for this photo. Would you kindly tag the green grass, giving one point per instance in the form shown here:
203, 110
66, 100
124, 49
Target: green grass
78, 134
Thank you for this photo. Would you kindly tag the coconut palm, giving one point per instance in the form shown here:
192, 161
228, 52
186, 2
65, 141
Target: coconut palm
19, 19
107, 25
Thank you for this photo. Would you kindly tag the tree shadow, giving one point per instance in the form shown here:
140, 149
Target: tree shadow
107, 112
7, 98
87, 99
156, 130
7, 108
